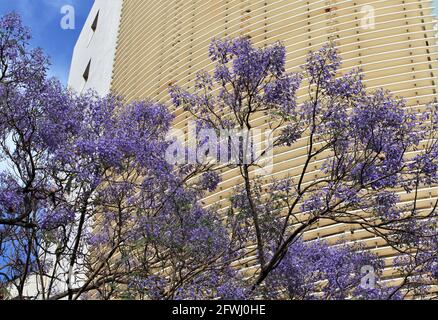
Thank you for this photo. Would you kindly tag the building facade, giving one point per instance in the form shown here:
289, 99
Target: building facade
160, 43
94, 53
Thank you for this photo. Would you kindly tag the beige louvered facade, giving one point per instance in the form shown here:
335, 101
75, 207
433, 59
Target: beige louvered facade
166, 42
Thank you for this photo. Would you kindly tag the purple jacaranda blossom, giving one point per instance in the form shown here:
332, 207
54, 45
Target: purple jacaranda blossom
316, 270
52, 219
282, 91
321, 65
210, 180
11, 197
246, 67
151, 287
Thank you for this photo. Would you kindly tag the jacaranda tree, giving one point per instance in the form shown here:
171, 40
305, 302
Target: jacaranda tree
375, 151
92, 207
87, 199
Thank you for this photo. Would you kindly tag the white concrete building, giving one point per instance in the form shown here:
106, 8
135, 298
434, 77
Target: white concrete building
93, 56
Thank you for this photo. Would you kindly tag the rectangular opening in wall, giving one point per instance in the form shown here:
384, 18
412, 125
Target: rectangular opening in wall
87, 71
95, 22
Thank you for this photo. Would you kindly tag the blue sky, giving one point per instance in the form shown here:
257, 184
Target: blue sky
44, 17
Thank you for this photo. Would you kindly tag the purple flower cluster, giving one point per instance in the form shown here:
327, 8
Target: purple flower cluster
258, 79
210, 180
321, 66
11, 197
52, 219
316, 270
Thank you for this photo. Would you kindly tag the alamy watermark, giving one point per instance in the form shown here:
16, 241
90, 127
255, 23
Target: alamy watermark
68, 20
208, 146
368, 280
368, 20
